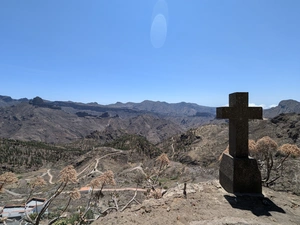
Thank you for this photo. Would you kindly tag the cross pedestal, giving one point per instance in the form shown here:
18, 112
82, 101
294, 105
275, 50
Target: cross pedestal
238, 173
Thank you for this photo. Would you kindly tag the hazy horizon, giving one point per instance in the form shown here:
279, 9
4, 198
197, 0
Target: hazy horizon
250, 104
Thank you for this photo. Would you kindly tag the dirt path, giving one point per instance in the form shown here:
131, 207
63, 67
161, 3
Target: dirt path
123, 189
78, 174
50, 176
139, 167
172, 146
12, 193
95, 168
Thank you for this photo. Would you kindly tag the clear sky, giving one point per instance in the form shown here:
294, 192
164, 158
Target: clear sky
163, 50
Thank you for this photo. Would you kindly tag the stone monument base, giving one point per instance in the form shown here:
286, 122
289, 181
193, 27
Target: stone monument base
240, 175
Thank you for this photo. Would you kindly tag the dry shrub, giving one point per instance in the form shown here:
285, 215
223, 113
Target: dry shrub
38, 182
251, 146
107, 178
265, 148
68, 174
75, 194
7, 178
163, 160
266, 145
289, 149
95, 183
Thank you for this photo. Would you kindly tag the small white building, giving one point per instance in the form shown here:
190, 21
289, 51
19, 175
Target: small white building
13, 211
33, 205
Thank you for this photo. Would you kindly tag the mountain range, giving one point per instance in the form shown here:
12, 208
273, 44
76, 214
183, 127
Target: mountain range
65, 121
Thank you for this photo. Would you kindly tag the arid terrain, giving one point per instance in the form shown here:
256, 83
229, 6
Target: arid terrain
40, 138
208, 203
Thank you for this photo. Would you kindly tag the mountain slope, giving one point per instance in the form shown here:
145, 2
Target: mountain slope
30, 122
59, 121
203, 146
167, 109
285, 106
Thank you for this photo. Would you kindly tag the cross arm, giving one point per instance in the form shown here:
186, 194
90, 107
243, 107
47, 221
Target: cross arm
254, 113
238, 113
224, 112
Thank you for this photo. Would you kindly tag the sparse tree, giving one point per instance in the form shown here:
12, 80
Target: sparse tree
107, 178
272, 167
163, 162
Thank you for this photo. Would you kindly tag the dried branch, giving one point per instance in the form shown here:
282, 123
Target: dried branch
115, 200
130, 201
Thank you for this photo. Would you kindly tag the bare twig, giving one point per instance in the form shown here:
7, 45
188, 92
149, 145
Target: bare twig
109, 208
114, 198
128, 203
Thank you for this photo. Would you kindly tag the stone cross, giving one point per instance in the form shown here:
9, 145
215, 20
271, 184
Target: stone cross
238, 173
238, 114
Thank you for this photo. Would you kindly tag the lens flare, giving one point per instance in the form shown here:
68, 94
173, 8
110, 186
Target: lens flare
159, 26
158, 31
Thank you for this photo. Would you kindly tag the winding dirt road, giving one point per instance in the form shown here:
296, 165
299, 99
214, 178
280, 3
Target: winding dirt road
50, 176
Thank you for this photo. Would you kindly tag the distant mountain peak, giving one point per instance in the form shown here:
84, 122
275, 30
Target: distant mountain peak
288, 102
284, 106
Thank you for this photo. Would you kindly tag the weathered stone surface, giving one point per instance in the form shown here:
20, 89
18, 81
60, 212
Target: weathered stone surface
239, 173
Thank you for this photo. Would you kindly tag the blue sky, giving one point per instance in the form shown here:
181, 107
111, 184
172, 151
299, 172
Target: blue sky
107, 51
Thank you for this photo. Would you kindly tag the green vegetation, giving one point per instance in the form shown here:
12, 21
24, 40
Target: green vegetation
32, 154
74, 218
